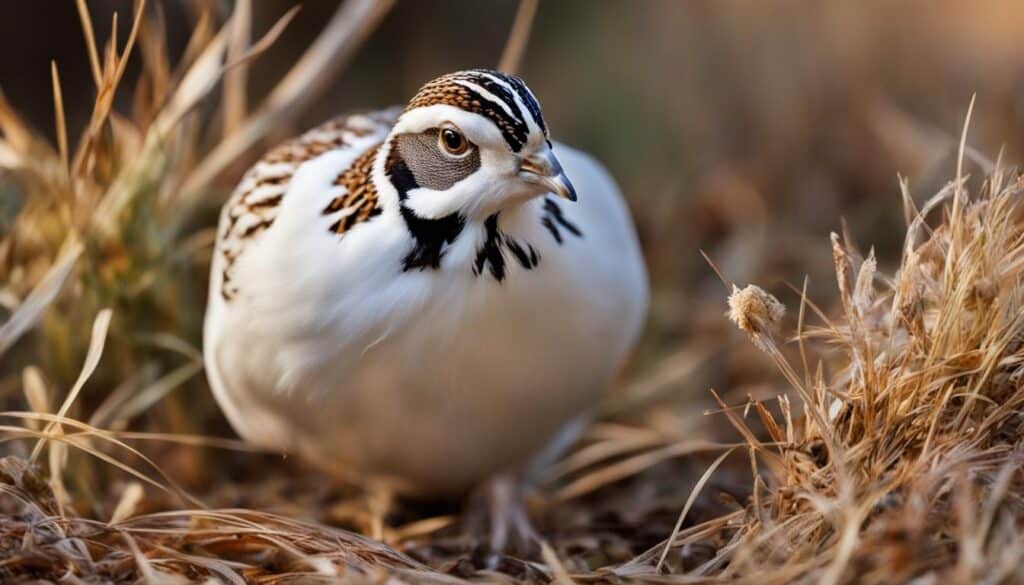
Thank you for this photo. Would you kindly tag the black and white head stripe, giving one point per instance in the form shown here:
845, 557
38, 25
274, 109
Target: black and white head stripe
503, 99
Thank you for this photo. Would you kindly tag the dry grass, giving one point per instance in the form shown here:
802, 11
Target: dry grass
897, 458
906, 463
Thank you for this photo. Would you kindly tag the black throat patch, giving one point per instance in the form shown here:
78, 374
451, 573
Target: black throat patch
429, 235
491, 255
554, 221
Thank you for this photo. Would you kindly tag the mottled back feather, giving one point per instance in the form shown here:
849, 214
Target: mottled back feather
255, 203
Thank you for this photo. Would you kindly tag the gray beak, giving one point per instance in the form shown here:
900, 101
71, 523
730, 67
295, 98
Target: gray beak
544, 170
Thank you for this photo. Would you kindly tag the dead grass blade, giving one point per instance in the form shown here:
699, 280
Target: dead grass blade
92, 359
44, 293
631, 466
518, 37
36, 393
235, 102
689, 503
90, 42
126, 506
58, 108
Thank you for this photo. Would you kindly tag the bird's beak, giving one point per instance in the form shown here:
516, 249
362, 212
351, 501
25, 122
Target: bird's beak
544, 170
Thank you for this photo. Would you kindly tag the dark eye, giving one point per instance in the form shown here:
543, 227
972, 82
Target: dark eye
453, 141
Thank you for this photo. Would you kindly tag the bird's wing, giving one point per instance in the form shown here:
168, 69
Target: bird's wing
254, 204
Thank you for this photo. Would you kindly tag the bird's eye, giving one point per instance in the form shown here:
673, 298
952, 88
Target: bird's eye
453, 141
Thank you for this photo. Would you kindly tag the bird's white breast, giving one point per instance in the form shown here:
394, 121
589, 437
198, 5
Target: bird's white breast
433, 379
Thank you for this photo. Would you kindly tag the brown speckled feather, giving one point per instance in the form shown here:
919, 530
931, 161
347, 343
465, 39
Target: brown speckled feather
255, 203
359, 202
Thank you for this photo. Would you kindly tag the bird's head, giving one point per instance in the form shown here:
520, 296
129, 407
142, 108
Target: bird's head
470, 143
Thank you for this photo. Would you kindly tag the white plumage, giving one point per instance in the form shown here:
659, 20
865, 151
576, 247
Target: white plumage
335, 345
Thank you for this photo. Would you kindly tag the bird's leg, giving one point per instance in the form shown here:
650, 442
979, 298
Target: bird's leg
510, 522
498, 512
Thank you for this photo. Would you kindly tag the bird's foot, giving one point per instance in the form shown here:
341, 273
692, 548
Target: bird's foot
497, 513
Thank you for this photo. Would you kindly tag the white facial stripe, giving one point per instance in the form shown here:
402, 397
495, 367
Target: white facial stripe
479, 129
487, 96
497, 80
531, 103
524, 112
531, 123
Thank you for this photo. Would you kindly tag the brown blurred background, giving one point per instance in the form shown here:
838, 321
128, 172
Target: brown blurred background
747, 128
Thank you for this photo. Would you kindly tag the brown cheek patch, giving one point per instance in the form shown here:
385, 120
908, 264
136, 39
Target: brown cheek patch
432, 168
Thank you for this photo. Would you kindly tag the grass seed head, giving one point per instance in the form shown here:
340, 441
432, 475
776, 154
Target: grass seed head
756, 312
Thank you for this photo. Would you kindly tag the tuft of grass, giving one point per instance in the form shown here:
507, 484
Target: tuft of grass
906, 462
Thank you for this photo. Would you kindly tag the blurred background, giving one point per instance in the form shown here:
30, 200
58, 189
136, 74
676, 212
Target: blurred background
746, 129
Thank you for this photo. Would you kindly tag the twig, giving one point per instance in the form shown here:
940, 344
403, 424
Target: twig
518, 37
235, 95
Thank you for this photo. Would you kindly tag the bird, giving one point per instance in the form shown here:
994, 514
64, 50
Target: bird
432, 298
